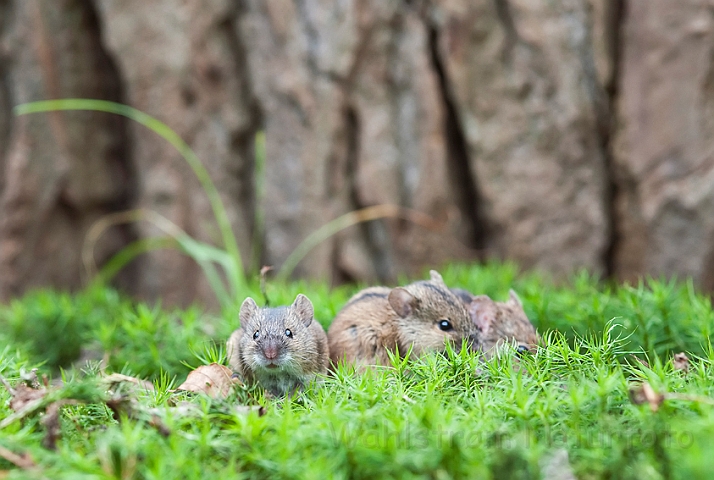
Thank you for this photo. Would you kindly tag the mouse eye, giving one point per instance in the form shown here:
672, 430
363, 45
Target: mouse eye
522, 350
288, 333
256, 335
445, 325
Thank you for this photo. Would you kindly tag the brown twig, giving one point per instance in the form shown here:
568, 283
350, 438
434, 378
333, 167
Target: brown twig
7, 386
23, 461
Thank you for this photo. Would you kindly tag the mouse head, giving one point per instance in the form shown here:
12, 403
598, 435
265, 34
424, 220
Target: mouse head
274, 337
501, 322
430, 316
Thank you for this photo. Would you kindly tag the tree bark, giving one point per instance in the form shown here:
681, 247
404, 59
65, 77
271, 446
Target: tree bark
562, 135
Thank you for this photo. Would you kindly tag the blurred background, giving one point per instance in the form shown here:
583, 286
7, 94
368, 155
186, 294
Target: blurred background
562, 135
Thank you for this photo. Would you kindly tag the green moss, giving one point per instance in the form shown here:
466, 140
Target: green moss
440, 417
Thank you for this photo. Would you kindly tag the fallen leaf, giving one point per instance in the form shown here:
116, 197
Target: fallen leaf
643, 393
214, 380
24, 400
681, 362
23, 395
29, 396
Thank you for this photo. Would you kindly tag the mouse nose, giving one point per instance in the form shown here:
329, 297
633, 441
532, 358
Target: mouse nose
270, 349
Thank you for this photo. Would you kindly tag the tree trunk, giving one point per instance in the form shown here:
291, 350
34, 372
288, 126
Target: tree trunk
562, 135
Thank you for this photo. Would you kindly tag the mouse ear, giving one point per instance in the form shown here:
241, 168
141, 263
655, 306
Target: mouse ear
302, 306
482, 312
513, 299
402, 301
464, 295
247, 311
436, 277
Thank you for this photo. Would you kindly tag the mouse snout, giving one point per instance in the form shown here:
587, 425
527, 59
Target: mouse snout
271, 349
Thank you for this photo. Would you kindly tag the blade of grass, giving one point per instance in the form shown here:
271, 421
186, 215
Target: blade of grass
120, 259
202, 253
104, 223
374, 212
164, 131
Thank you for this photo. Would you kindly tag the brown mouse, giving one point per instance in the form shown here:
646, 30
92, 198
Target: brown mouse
283, 348
499, 322
423, 316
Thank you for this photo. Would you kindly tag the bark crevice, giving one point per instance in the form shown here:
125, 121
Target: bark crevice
5, 97
119, 156
373, 233
112, 82
243, 142
468, 198
615, 21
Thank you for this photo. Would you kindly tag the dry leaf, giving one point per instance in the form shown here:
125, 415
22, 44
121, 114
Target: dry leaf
22, 396
24, 400
681, 362
214, 380
644, 393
